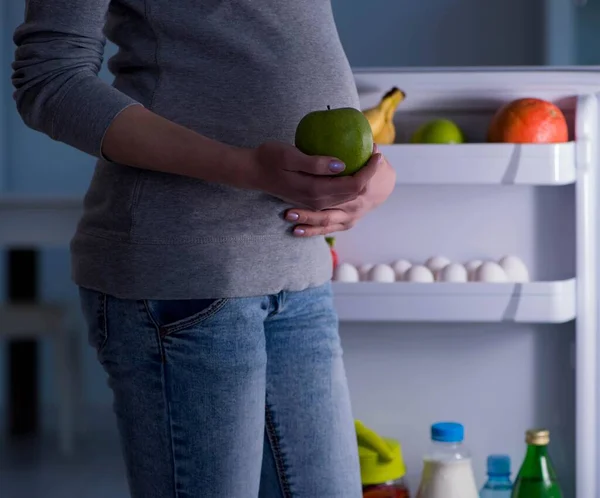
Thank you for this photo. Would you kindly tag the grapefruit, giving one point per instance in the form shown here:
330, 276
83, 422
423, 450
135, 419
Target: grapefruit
529, 120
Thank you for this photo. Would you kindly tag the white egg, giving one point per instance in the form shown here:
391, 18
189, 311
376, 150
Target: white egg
363, 271
471, 267
454, 272
345, 272
491, 272
418, 273
400, 267
382, 273
436, 264
515, 269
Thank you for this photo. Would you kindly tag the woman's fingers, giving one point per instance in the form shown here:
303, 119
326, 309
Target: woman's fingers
311, 223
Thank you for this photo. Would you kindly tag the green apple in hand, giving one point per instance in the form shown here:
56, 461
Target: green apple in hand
342, 133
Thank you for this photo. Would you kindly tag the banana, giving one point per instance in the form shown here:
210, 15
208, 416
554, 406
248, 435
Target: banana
386, 135
381, 117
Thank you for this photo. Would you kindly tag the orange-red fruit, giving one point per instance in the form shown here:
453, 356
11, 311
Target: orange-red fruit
529, 121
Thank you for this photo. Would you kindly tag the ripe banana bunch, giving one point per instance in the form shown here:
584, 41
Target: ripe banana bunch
381, 117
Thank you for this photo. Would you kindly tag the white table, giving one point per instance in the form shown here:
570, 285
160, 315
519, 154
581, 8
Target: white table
36, 222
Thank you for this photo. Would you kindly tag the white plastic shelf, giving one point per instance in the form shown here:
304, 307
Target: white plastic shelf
535, 302
483, 164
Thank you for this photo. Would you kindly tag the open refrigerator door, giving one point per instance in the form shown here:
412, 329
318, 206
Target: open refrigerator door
484, 201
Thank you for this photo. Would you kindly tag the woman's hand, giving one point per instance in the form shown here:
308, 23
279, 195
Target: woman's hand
309, 182
309, 223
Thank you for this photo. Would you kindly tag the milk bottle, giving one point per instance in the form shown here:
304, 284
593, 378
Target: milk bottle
447, 471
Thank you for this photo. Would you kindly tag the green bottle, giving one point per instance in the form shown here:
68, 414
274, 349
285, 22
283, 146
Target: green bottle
537, 477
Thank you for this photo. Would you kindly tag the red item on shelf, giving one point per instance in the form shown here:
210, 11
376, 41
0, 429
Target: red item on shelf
529, 120
334, 254
385, 491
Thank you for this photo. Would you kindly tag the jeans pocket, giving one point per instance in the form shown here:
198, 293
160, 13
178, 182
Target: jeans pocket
93, 307
172, 316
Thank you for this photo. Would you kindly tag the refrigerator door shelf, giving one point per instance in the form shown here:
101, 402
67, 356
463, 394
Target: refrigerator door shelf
532, 302
483, 164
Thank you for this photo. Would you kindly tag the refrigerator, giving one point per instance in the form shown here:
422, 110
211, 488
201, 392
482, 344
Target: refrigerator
498, 357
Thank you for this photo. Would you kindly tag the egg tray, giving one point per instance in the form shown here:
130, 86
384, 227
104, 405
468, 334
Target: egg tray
528, 302
436, 269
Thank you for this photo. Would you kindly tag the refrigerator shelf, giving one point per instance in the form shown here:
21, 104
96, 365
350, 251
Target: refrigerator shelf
482, 164
532, 302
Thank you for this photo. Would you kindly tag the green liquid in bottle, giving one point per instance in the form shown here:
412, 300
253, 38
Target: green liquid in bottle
537, 477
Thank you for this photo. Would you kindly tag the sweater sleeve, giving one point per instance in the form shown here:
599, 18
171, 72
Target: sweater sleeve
60, 48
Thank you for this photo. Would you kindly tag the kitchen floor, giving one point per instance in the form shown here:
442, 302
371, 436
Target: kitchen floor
35, 469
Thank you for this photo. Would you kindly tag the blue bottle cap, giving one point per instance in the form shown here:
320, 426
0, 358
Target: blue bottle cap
447, 432
498, 465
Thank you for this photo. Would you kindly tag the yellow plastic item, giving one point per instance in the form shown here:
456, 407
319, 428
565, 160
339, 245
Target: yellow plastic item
380, 458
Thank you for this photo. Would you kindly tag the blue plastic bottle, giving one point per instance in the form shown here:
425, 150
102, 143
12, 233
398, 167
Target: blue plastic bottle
498, 484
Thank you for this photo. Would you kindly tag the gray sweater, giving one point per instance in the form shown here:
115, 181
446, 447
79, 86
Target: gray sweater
240, 71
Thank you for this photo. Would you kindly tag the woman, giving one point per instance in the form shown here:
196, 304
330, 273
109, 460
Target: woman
200, 258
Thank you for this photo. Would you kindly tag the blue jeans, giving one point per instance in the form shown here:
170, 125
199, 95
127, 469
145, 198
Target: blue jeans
229, 398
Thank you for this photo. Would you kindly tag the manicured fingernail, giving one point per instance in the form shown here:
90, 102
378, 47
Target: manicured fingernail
292, 216
375, 148
336, 167
299, 231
